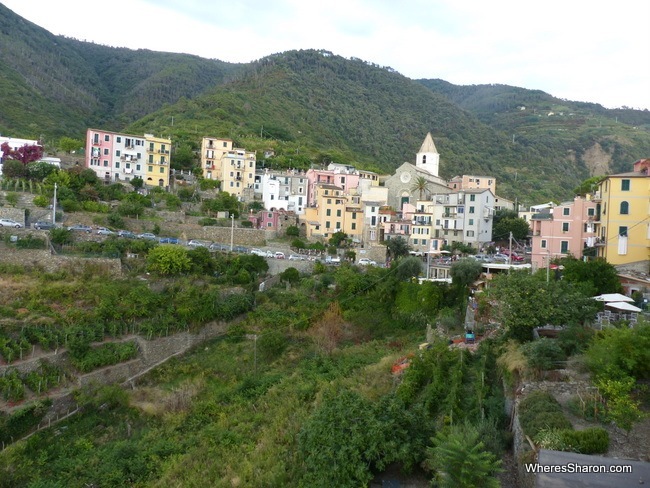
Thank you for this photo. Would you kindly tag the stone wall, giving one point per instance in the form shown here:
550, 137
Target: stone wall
41, 258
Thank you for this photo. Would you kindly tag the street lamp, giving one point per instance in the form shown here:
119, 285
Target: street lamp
232, 232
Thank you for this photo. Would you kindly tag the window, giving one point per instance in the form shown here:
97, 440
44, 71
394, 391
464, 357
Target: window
150, 159
162, 170
117, 165
105, 151
328, 212
565, 227
105, 162
471, 221
137, 167
625, 208
107, 137
354, 226
150, 169
354, 215
338, 213
591, 212
96, 139
117, 153
564, 247
151, 146
543, 244
327, 224
625, 185
128, 166
472, 198
622, 230
470, 233
118, 139
565, 211
471, 210
225, 144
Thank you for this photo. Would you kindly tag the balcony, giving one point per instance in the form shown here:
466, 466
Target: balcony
596, 197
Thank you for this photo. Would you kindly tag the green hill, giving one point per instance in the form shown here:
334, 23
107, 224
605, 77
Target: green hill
312, 107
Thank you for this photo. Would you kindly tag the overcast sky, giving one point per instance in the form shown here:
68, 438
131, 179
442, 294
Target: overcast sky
573, 49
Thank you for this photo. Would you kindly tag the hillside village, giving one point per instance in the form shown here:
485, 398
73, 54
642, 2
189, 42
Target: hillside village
442, 225
414, 203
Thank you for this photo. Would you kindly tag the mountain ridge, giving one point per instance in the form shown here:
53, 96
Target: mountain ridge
311, 107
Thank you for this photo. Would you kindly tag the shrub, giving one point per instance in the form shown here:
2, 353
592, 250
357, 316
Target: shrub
594, 440
208, 221
30, 242
41, 201
544, 354
540, 411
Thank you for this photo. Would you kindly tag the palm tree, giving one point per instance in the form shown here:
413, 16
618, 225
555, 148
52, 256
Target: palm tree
420, 185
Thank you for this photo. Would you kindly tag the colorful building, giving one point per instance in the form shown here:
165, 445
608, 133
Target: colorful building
116, 157
622, 220
566, 229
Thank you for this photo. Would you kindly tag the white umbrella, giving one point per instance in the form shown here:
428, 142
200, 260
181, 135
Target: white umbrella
613, 297
445, 252
623, 306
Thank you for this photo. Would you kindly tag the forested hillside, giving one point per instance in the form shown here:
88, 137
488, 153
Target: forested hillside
312, 107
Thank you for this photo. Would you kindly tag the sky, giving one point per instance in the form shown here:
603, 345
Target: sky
572, 49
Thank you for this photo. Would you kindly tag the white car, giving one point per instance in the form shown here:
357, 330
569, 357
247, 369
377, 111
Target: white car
332, 259
296, 257
196, 243
258, 252
367, 262
103, 231
10, 223
279, 255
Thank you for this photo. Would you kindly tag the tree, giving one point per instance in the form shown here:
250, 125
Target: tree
588, 186
598, 273
39, 170
183, 157
524, 302
168, 259
293, 231
420, 185
25, 154
408, 268
69, 144
461, 460
290, 275
328, 331
502, 229
338, 239
397, 247
465, 271
137, 182
14, 169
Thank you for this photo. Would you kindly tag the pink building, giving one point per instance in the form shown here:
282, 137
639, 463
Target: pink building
346, 178
562, 230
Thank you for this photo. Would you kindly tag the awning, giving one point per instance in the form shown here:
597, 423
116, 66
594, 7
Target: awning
613, 297
623, 306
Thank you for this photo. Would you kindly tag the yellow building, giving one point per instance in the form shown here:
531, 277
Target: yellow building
237, 171
158, 161
325, 214
212, 150
622, 220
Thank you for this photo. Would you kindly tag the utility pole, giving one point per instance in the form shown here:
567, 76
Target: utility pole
232, 232
509, 251
54, 207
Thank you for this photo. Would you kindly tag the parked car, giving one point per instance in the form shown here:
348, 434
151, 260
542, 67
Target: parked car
258, 252
168, 240
279, 255
332, 259
484, 258
126, 234
215, 246
10, 223
196, 243
80, 228
103, 231
296, 257
367, 262
44, 225
269, 254
501, 258
148, 236
241, 249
